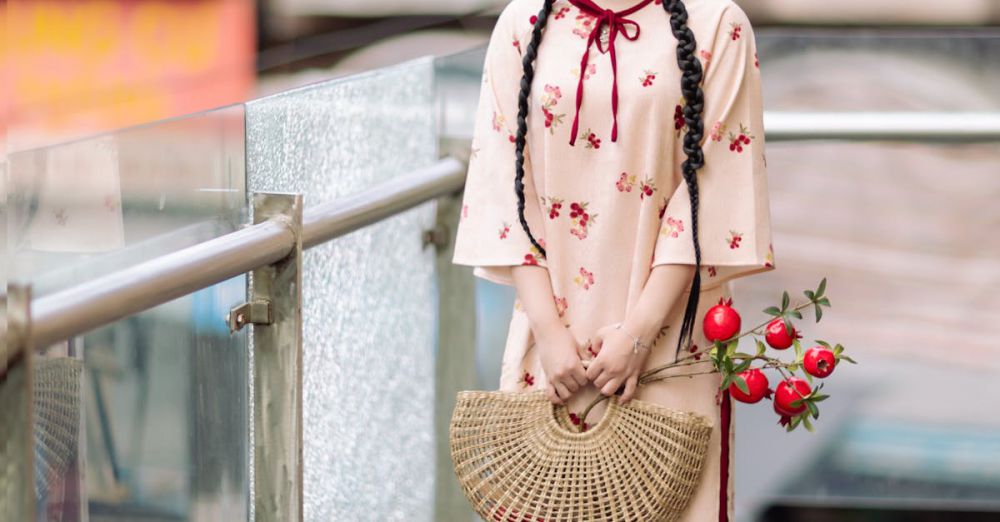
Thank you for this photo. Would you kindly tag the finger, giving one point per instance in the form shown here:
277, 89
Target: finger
580, 375
611, 386
550, 392
602, 379
561, 389
570, 383
594, 370
630, 386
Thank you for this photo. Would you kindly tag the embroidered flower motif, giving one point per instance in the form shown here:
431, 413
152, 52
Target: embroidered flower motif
552, 206
593, 142
736, 142
647, 80
711, 271
717, 131
769, 259
527, 379
734, 33
707, 57
561, 13
533, 19
498, 121
734, 239
663, 207
584, 24
549, 99
625, 182
581, 219
585, 279
517, 45
591, 70
756, 60
504, 230
673, 227
647, 188
694, 349
465, 211
561, 305
532, 257
680, 123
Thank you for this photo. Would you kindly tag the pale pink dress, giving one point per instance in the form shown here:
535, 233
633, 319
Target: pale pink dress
635, 209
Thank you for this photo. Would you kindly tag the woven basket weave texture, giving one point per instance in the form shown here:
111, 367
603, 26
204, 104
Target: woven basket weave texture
517, 459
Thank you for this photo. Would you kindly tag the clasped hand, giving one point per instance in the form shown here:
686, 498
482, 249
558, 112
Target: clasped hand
614, 364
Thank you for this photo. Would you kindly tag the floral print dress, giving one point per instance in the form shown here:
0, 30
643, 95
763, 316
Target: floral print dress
606, 208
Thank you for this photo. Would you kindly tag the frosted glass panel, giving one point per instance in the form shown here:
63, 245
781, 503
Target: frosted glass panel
369, 307
146, 418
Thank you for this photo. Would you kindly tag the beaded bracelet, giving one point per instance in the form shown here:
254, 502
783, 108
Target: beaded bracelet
636, 343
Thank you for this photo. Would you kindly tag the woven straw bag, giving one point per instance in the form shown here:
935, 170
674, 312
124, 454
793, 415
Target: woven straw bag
518, 458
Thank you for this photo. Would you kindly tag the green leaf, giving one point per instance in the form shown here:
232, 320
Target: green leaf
772, 310
760, 348
807, 424
794, 367
796, 313
822, 287
813, 409
848, 359
822, 342
796, 403
743, 365
809, 294
798, 350
788, 326
819, 398
741, 383
838, 349
784, 301
824, 301
809, 378
819, 312
731, 347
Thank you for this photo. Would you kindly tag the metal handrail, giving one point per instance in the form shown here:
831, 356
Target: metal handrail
106, 299
947, 127
114, 296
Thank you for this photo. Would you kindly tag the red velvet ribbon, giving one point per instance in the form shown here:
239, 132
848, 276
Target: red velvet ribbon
617, 23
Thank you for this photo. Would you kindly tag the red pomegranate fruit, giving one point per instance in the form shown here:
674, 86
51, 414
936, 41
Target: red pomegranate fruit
789, 391
756, 383
819, 361
777, 337
721, 321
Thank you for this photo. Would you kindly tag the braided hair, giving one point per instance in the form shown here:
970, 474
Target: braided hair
694, 103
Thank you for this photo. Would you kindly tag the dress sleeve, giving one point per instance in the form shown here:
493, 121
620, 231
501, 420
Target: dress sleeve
734, 219
489, 235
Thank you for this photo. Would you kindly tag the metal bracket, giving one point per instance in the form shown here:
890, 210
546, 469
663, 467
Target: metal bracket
256, 312
274, 304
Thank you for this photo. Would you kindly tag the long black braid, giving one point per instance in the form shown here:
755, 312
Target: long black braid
694, 102
694, 105
528, 62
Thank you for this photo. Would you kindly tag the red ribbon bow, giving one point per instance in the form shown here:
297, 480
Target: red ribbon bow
617, 23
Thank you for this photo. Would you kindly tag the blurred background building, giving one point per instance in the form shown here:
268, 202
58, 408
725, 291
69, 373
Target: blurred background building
137, 107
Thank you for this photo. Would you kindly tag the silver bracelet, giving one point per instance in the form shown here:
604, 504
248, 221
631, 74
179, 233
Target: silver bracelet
636, 343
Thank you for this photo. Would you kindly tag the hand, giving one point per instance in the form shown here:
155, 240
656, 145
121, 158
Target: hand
558, 352
615, 363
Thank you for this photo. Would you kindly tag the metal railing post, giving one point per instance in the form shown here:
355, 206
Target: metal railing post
17, 465
275, 309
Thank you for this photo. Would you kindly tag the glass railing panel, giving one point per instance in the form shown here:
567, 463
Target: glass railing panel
369, 299
146, 418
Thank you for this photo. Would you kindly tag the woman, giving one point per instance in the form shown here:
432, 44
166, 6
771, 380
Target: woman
601, 124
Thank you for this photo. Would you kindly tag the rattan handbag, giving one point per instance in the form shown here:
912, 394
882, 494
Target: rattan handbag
518, 458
